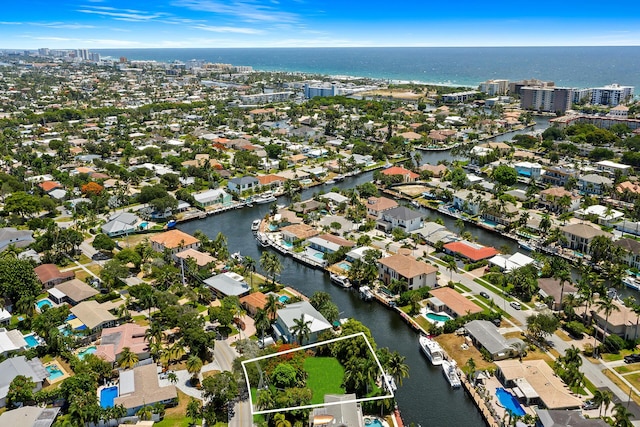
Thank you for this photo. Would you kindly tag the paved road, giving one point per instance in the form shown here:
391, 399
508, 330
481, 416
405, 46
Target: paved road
225, 355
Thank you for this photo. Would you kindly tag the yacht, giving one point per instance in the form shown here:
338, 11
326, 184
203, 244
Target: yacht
330, 182
365, 293
339, 178
432, 350
255, 225
449, 372
262, 240
340, 280
264, 198
526, 245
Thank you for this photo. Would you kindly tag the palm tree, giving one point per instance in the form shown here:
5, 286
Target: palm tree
173, 378
194, 365
452, 266
250, 266
607, 306
194, 408
301, 328
622, 416
262, 322
27, 305
271, 264
127, 358
280, 420
397, 368
562, 274
145, 413
175, 352
272, 306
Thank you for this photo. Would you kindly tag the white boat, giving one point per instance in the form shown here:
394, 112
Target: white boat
450, 373
255, 225
365, 293
236, 256
631, 283
526, 245
266, 197
340, 280
262, 240
388, 383
339, 178
432, 350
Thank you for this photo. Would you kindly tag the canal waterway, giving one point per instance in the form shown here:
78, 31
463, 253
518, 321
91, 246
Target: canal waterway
425, 397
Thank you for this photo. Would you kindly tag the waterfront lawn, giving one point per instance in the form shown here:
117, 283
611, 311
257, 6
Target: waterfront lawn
452, 343
325, 377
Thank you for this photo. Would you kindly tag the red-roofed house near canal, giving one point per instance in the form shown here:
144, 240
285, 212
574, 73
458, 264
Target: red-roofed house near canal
471, 251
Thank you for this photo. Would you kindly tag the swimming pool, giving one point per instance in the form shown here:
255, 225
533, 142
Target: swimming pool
319, 255
283, 299
437, 317
344, 265
143, 225
372, 422
88, 350
54, 372
31, 341
509, 402
492, 224
44, 302
107, 396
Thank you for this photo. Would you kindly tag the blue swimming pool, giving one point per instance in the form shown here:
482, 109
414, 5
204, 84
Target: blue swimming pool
437, 317
283, 299
372, 422
44, 302
319, 255
88, 350
509, 402
31, 341
143, 225
54, 372
107, 396
344, 265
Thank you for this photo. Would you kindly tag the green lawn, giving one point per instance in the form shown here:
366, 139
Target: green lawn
463, 287
325, 377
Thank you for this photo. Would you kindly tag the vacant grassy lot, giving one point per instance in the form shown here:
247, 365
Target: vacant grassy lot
325, 377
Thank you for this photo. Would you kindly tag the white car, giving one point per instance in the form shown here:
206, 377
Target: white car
516, 305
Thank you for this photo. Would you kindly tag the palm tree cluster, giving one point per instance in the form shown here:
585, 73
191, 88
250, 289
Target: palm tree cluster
568, 367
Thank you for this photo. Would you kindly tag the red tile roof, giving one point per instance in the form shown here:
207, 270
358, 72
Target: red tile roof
474, 253
397, 170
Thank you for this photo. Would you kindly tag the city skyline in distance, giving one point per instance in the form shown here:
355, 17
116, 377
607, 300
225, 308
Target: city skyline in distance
103, 24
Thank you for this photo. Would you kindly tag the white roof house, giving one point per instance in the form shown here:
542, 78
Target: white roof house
508, 263
11, 341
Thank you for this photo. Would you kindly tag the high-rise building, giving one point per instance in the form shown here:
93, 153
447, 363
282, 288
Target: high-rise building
515, 87
549, 99
612, 95
495, 87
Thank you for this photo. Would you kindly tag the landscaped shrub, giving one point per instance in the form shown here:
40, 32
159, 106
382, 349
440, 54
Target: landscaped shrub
575, 329
613, 344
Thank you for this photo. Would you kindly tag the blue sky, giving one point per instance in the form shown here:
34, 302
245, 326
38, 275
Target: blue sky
30, 24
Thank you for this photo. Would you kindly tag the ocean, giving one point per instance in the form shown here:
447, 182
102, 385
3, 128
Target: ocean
576, 67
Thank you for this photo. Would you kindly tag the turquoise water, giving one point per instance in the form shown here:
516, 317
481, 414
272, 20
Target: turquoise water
509, 402
107, 396
489, 223
283, 299
373, 423
54, 372
88, 350
143, 225
319, 255
437, 317
287, 244
272, 227
31, 341
344, 265
44, 302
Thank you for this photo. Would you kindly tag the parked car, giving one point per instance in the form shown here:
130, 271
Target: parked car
541, 306
632, 358
496, 322
590, 404
516, 305
483, 294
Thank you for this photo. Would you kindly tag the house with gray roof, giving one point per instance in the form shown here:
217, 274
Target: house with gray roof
29, 416
579, 236
227, 284
433, 232
121, 224
286, 321
594, 184
631, 249
13, 236
238, 185
485, 335
400, 217
212, 197
11, 368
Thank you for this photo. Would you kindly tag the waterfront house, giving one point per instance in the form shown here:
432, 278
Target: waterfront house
594, 184
245, 183
360, 253
472, 251
202, 259
342, 409
227, 284
377, 205
407, 175
485, 335
72, 292
469, 201
603, 215
613, 168
579, 236
50, 275
294, 232
416, 274
114, 340
536, 384
436, 171
334, 198
217, 197
140, 387
14, 366
621, 322
328, 243
400, 217
271, 182
498, 214
286, 317
557, 199
122, 223
252, 302
432, 232
306, 206
632, 251
558, 176
174, 241
13, 236
510, 262
451, 302
93, 316
550, 287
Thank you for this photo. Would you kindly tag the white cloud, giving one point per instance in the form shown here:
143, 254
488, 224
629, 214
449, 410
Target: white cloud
247, 10
10, 23
62, 25
130, 15
223, 29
